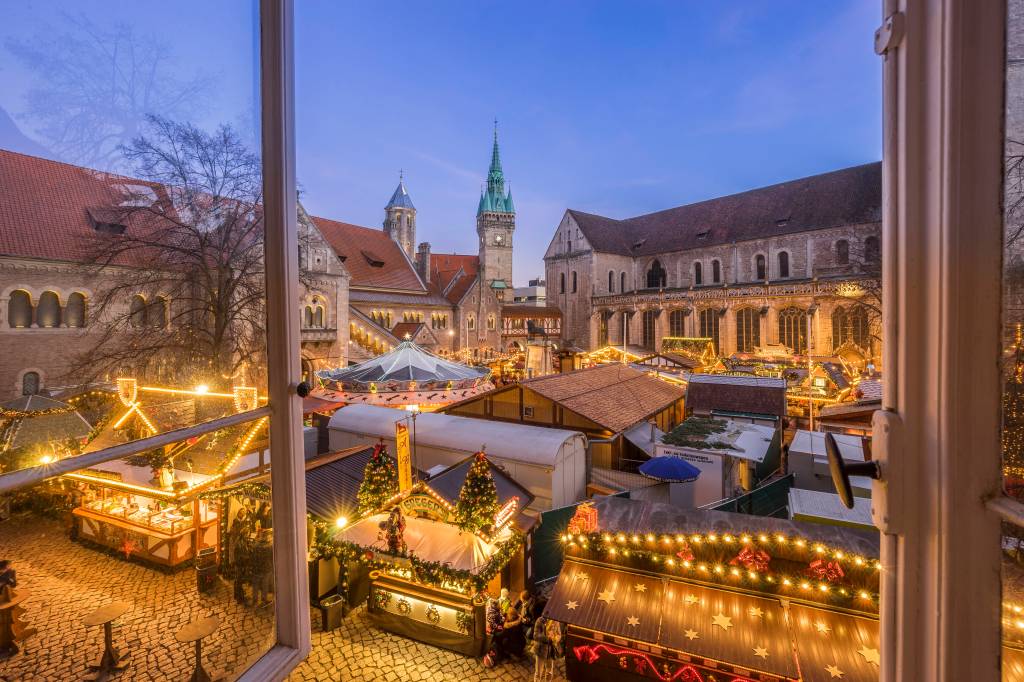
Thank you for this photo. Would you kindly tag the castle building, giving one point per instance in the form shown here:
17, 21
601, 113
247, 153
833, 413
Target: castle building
792, 268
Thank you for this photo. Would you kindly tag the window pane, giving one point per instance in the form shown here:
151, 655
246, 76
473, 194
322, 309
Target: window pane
137, 167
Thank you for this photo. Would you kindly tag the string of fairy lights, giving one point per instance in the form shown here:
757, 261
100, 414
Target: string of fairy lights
761, 561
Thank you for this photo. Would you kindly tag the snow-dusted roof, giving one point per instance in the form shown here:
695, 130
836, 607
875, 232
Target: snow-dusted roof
533, 445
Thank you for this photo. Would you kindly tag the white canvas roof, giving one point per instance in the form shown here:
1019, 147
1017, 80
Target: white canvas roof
811, 505
534, 445
813, 443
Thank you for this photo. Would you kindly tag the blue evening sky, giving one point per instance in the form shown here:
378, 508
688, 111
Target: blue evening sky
617, 108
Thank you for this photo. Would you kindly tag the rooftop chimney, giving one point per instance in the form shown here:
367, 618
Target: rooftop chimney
423, 261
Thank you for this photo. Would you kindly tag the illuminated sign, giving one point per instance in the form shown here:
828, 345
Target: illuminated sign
505, 514
404, 457
423, 506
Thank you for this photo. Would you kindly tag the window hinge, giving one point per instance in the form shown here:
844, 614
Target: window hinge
889, 35
889, 491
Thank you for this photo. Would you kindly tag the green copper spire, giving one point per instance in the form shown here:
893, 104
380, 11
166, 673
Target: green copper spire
494, 199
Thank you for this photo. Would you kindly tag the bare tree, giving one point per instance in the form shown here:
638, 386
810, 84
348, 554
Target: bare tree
182, 262
93, 89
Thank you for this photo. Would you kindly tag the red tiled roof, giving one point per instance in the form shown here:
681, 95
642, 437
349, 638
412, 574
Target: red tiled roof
453, 272
849, 196
363, 248
403, 328
45, 206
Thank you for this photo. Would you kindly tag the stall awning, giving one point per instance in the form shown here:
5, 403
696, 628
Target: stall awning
644, 436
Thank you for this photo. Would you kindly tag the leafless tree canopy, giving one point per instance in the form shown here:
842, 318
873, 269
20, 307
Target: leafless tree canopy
94, 87
183, 299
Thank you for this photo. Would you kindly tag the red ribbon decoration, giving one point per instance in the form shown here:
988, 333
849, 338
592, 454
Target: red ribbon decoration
752, 559
826, 570
685, 553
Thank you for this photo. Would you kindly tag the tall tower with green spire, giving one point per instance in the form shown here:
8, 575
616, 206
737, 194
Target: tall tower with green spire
495, 223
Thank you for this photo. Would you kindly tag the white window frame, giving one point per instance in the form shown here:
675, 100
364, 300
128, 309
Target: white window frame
291, 594
941, 237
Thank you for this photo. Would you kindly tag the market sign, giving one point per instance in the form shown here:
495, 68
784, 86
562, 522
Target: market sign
404, 457
505, 514
424, 506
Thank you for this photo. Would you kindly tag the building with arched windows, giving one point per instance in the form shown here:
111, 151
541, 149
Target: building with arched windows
792, 266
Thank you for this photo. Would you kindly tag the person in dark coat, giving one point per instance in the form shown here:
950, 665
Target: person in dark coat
8, 577
514, 638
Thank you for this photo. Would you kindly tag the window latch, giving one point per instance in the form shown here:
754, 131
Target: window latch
890, 33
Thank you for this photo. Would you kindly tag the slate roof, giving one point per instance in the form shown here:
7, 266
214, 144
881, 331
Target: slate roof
614, 396
723, 393
449, 482
850, 196
401, 198
372, 258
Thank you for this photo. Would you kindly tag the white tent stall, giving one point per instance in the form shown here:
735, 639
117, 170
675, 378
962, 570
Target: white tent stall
550, 463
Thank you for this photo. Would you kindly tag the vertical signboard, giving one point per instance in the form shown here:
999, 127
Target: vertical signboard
404, 456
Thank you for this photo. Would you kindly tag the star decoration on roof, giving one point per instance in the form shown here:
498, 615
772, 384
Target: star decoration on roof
580, 576
760, 652
691, 634
691, 599
640, 587
572, 605
606, 597
721, 620
870, 655
755, 612
633, 621
822, 628
834, 671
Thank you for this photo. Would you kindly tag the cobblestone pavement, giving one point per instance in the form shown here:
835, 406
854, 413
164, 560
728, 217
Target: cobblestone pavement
66, 581
359, 651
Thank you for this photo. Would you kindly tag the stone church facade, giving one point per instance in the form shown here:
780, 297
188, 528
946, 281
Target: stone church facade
792, 268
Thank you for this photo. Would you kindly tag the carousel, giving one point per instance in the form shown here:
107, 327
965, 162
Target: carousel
407, 377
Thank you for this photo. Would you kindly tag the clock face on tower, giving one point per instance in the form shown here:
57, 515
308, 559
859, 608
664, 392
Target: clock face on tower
499, 239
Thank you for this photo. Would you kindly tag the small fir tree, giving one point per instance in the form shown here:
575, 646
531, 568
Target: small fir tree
478, 499
380, 481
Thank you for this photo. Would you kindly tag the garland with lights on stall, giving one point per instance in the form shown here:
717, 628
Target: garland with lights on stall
789, 566
432, 573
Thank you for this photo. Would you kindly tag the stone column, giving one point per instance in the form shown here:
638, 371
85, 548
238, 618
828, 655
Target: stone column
772, 322
727, 330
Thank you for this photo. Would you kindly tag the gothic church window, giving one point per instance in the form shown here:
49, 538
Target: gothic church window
156, 313
676, 320
470, 323
842, 252
137, 311
760, 266
850, 325
574, 282
622, 282
783, 264
611, 282
748, 330
648, 328
307, 317
561, 283
716, 271
871, 250
491, 323
793, 329
698, 274
19, 310
708, 321
656, 276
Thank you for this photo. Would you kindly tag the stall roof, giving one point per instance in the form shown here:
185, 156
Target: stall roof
448, 483
535, 445
744, 440
333, 480
751, 395
815, 506
812, 443
40, 427
407, 362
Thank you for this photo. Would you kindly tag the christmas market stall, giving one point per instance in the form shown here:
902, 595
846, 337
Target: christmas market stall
35, 430
408, 377
149, 506
426, 561
652, 592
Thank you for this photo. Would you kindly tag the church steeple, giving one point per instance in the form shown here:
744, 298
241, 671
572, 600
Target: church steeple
495, 200
400, 217
495, 225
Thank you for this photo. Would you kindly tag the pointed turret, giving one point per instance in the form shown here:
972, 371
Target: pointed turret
509, 206
400, 218
400, 199
494, 199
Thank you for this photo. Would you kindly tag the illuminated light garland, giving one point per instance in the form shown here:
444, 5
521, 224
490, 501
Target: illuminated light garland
591, 653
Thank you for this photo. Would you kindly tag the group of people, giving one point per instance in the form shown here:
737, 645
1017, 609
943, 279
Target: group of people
515, 627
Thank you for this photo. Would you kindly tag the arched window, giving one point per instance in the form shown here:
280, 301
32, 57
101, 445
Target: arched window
676, 320
19, 309
318, 317
622, 282
698, 274
716, 271
137, 311
783, 264
491, 323
307, 317
851, 325
387, 319
656, 276
74, 312
842, 252
30, 382
793, 329
708, 321
611, 282
574, 281
48, 310
561, 283
156, 316
871, 250
760, 268
748, 330
470, 323
648, 329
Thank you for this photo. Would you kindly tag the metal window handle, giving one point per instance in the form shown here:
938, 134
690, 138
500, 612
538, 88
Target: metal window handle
303, 389
841, 470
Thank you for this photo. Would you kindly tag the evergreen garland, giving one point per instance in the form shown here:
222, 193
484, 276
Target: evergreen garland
380, 481
478, 499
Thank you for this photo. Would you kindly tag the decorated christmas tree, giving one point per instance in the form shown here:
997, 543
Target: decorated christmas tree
380, 481
478, 499
1013, 417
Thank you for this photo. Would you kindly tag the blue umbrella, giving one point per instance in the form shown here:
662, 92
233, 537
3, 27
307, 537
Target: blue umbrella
669, 468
